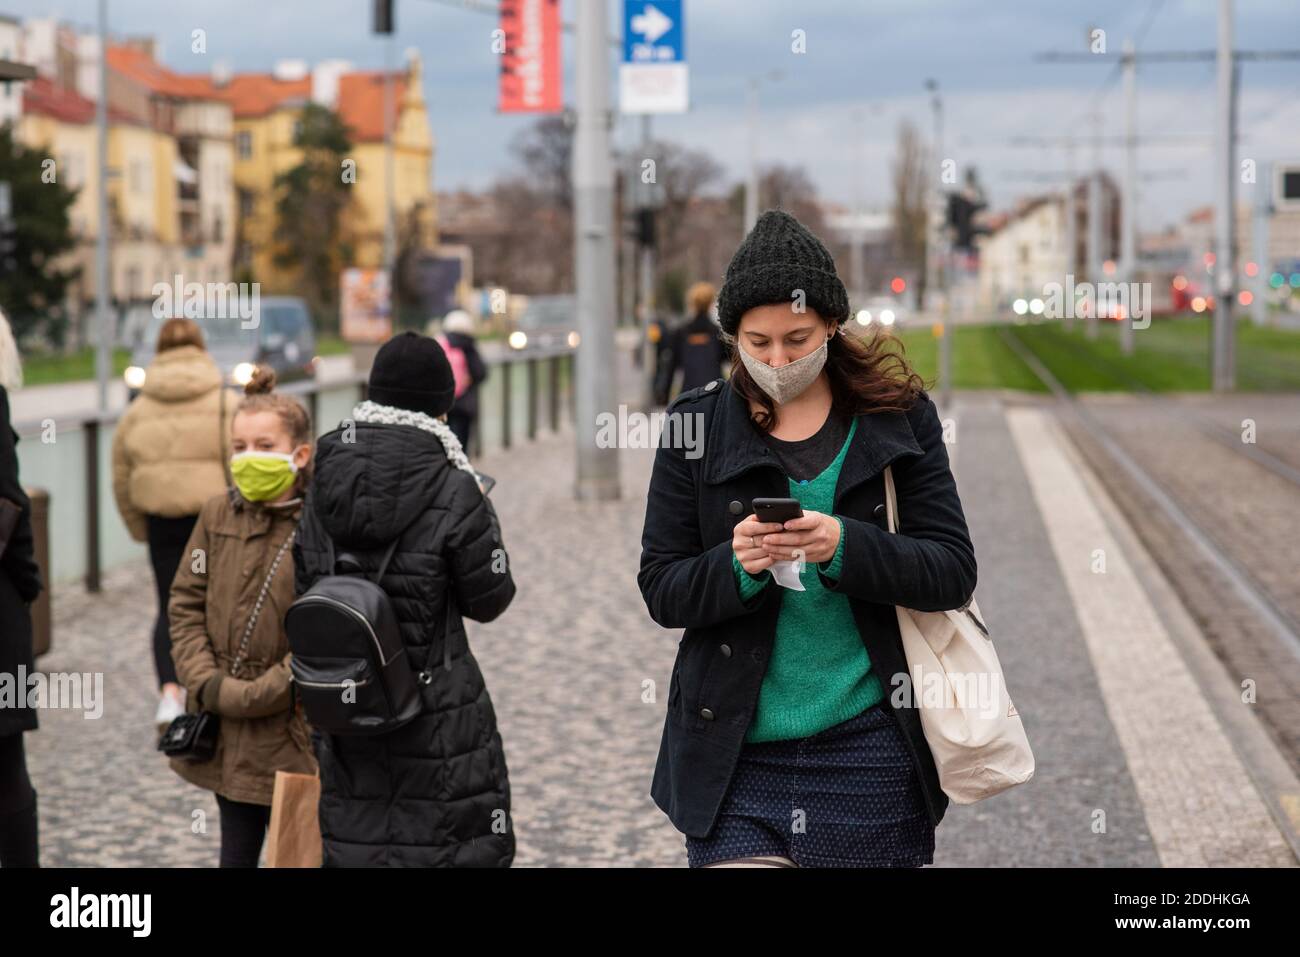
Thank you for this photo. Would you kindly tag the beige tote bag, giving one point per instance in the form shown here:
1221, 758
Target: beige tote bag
974, 731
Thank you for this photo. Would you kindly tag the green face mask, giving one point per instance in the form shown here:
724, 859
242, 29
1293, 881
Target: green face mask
262, 476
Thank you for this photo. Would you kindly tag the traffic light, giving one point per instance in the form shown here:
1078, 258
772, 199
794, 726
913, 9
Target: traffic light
383, 16
645, 227
961, 220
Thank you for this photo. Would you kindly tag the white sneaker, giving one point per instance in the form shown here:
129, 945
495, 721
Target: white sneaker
170, 707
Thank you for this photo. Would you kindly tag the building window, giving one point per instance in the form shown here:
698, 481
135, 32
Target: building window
244, 144
245, 204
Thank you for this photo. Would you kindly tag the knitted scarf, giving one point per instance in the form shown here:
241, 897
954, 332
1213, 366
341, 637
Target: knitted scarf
374, 413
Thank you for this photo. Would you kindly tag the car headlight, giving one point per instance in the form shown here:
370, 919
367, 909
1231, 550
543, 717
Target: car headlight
864, 316
887, 316
573, 340
518, 339
242, 374
134, 377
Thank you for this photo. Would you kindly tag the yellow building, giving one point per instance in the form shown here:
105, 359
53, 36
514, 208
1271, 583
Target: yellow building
170, 196
267, 107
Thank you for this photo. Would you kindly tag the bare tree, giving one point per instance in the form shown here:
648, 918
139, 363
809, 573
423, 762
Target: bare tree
909, 213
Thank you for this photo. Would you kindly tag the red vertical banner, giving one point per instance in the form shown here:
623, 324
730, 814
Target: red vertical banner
531, 77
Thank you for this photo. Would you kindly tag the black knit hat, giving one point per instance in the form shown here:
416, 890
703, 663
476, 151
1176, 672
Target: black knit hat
778, 257
412, 372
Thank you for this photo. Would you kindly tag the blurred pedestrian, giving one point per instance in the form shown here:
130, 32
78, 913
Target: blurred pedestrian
227, 618
778, 699
169, 457
468, 368
435, 792
20, 584
696, 347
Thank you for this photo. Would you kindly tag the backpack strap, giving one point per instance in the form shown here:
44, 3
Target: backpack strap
332, 558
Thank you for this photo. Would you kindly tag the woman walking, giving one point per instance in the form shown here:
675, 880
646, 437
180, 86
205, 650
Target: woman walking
781, 745
227, 613
435, 792
20, 584
169, 453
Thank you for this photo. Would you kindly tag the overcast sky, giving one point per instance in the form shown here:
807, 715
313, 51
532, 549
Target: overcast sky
838, 106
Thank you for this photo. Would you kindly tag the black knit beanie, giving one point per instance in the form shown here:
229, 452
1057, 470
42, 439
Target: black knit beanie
778, 257
412, 372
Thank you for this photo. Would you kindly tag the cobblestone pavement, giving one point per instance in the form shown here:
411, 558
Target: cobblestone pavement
570, 667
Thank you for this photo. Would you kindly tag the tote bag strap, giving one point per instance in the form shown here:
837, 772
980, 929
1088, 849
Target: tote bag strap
891, 501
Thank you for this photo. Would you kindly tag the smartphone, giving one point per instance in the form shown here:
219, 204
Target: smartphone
777, 509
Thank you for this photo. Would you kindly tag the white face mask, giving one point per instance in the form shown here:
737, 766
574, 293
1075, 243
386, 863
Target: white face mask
790, 380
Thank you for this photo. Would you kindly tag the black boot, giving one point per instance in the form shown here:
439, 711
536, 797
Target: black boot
18, 837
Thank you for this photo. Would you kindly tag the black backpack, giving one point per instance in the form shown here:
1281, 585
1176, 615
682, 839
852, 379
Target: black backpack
349, 664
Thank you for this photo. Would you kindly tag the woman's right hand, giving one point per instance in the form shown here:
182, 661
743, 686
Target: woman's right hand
747, 543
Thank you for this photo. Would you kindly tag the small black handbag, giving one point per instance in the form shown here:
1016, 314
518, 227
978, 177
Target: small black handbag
193, 736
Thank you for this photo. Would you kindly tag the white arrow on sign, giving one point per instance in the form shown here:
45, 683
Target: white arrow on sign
652, 24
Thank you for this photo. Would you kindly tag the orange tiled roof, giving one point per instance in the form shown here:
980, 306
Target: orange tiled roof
43, 97
361, 102
143, 69
257, 94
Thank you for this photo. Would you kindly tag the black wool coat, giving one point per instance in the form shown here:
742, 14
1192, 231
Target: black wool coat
20, 582
686, 578
435, 792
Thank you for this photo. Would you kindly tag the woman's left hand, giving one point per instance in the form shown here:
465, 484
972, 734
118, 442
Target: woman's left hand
812, 537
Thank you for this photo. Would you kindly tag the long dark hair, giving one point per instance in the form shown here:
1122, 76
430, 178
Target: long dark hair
866, 376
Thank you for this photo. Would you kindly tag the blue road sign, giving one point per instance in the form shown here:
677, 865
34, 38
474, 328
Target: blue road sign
653, 31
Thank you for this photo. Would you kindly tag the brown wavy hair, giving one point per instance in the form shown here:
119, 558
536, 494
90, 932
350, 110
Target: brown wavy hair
867, 376
259, 396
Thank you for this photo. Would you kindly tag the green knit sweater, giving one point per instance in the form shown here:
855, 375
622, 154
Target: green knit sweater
819, 673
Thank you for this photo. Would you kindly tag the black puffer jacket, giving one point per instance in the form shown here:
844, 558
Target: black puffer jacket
435, 792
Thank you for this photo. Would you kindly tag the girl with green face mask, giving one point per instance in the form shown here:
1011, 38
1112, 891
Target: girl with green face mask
227, 614
270, 444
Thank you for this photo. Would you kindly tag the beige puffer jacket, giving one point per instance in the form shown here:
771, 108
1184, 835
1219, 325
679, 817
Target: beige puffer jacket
170, 447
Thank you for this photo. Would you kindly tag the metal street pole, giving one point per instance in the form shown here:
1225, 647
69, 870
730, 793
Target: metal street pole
1263, 209
647, 276
593, 188
1128, 211
936, 260
751, 183
103, 310
1224, 368
1071, 230
390, 231
1094, 273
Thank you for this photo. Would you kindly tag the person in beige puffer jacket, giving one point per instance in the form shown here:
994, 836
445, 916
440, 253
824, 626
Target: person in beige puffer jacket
169, 457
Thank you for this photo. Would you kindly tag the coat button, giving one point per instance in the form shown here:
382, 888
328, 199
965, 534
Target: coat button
706, 714
736, 507
726, 651
711, 386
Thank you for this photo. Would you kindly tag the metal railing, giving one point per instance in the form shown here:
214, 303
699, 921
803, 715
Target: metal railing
76, 479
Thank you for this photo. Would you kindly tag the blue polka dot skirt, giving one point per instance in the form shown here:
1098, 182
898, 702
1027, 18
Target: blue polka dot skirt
847, 796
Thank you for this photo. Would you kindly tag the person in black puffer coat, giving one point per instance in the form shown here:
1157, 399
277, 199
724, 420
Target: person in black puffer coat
435, 792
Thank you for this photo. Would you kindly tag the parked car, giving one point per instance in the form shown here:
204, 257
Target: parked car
547, 321
284, 338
